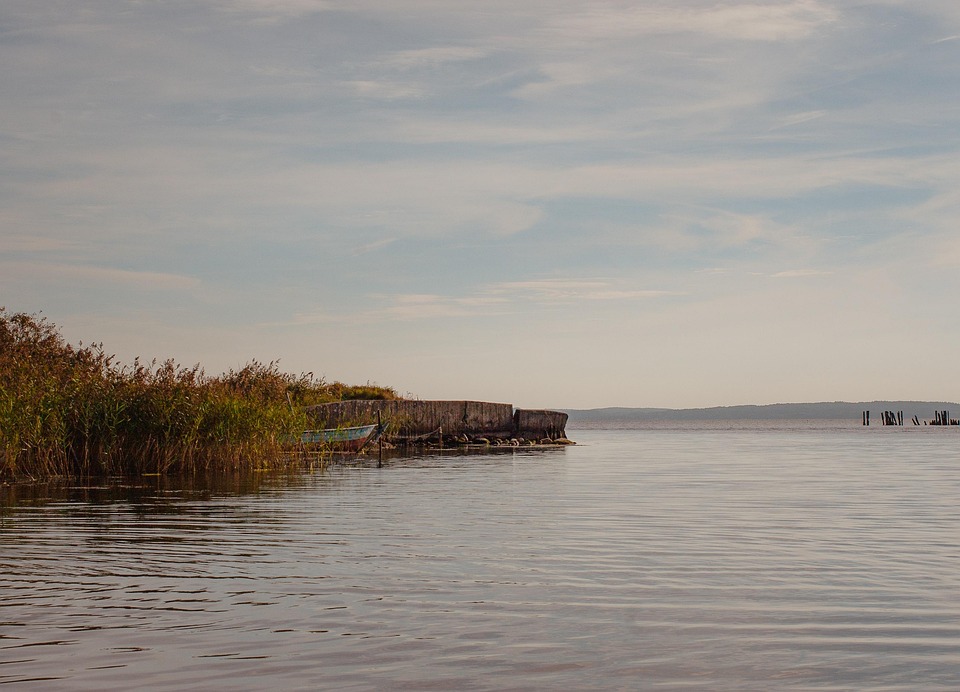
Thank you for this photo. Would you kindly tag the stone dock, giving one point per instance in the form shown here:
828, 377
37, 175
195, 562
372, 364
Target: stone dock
461, 422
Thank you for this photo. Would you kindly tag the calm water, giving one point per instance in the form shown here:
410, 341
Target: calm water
738, 557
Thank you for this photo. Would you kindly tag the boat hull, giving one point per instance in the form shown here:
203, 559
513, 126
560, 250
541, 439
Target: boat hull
341, 439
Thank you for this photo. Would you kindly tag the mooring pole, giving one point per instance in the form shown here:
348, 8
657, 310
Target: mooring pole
379, 440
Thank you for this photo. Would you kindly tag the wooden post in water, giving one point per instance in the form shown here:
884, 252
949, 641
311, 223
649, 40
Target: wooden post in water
379, 440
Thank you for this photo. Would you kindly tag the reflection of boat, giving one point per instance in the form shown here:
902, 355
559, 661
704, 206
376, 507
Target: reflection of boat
343, 439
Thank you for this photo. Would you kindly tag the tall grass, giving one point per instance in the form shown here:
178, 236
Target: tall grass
67, 410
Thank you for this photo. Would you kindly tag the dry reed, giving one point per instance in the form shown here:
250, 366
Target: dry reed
67, 410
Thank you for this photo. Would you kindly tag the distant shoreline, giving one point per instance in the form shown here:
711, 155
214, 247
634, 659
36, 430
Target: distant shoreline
837, 410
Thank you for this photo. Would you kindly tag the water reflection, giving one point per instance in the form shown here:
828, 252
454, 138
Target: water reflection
714, 560
152, 493
162, 494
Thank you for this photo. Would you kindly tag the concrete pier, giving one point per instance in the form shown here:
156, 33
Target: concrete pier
473, 419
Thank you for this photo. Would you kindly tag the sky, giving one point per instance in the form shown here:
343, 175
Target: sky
563, 203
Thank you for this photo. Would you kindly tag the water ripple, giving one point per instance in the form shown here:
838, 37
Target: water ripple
721, 560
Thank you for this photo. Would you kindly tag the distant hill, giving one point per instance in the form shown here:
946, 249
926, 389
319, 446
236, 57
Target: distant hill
835, 410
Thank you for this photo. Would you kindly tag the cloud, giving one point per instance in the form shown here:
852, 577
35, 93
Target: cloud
799, 118
787, 21
431, 130
374, 166
554, 76
487, 301
374, 246
388, 91
276, 10
428, 306
571, 291
429, 58
799, 274
16, 243
410, 307
84, 274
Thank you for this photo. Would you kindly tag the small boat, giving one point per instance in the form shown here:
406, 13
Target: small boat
343, 439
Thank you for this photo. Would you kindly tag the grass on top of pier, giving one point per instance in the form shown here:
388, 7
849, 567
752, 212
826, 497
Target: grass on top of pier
74, 410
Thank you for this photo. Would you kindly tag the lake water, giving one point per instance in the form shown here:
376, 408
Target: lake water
731, 557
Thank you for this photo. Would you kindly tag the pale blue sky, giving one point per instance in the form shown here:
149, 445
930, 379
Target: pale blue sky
550, 203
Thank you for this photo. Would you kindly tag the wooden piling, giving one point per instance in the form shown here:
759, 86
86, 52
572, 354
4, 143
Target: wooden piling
380, 440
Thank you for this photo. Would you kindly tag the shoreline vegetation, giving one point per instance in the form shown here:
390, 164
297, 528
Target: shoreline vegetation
75, 411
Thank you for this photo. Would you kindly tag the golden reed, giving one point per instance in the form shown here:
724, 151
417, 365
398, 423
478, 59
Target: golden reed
73, 410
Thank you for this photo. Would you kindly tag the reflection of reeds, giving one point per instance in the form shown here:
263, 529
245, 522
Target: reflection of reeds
68, 410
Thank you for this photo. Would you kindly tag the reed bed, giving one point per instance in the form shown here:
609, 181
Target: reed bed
73, 410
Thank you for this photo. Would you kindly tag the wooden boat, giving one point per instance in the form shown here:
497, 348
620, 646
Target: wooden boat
343, 439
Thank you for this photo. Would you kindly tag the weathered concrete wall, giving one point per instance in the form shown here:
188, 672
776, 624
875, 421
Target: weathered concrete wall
538, 424
473, 418
419, 417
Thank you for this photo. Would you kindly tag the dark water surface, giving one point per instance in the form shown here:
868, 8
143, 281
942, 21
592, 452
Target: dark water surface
739, 557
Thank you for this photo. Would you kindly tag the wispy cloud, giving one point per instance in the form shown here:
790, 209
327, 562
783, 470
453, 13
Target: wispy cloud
429, 58
83, 274
379, 166
30, 244
389, 91
799, 274
488, 301
411, 307
429, 306
559, 291
374, 246
572, 291
799, 118
276, 10
742, 21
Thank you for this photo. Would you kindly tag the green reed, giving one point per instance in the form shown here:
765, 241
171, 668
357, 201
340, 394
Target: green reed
67, 410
